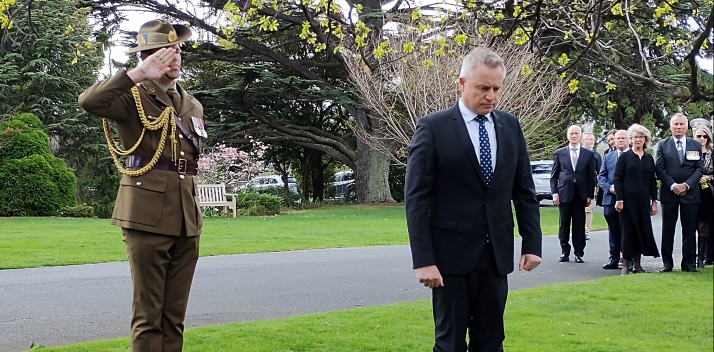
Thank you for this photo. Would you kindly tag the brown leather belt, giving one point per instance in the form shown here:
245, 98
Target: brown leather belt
182, 166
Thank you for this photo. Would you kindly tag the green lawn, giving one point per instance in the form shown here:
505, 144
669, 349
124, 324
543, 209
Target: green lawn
642, 312
34, 242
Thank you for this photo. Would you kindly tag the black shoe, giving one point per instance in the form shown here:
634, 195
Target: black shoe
667, 268
564, 258
611, 265
579, 259
689, 268
700, 263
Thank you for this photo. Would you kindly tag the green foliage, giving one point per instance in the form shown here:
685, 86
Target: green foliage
253, 204
78, 211
21, 137
32, 186
33, 181
287, 200
397, 173
49, 56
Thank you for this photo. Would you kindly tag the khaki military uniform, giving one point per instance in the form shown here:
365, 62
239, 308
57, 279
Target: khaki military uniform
158, 211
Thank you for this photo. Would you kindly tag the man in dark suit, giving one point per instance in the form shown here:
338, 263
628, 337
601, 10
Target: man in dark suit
572, 183
589, 144
679, 164
466, 164
606, 180
156, 204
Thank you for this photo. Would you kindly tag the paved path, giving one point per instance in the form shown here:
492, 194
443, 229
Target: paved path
61, 305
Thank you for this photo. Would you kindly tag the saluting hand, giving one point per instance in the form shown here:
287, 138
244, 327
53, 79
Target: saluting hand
156, 65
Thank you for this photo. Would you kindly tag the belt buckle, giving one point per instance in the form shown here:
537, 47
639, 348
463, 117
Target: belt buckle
182, 166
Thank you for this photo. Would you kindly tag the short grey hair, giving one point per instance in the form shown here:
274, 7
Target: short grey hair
580, 129
679, 114
637, 128
481, 55
588, 134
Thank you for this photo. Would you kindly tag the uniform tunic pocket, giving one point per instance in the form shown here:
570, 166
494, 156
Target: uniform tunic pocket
141, 199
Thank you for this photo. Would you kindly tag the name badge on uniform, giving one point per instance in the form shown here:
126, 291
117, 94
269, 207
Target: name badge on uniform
199, 127
692, 155
152, 117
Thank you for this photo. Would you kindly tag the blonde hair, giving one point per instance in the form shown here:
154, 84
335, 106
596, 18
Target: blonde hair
706, 131
636, 128
481, 55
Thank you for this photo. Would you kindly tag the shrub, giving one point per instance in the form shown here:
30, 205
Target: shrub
250, 203
77, 211
19, 143
27, 188
33, 182
288, 200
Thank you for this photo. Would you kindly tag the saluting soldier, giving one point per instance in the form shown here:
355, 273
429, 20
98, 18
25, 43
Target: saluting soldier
160, 127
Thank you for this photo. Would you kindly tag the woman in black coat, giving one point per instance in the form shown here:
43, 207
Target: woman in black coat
636, 192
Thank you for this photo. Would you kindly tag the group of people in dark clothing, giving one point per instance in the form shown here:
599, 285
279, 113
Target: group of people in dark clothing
627, 180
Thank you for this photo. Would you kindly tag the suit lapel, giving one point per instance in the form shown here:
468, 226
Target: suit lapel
500, 143
463, 134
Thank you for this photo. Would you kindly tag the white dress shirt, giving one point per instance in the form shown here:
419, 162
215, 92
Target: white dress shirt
472, 127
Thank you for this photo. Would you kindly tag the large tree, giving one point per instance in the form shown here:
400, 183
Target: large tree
48, 56
269, 33
625, 61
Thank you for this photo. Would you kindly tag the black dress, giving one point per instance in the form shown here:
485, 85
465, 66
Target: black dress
705, 212
635, 184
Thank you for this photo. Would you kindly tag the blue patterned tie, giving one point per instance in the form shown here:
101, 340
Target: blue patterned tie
484, 149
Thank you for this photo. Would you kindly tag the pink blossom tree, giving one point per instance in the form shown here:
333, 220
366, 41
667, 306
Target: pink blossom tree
228, 165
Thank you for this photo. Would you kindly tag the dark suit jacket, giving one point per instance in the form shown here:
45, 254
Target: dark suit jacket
158, 201
568, 183
449, 208
606, 178
598, 165
671, 171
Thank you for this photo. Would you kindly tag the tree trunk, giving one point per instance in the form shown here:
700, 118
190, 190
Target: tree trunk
372, 175
318, 177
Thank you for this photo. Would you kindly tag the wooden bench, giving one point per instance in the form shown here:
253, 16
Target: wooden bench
216, 196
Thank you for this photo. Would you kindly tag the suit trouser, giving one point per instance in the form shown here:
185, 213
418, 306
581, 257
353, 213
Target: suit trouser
572, 211
614, 227
688, 220
589, 216
162, 269
474, 302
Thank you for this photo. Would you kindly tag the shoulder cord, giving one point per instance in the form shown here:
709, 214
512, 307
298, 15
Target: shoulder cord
162, 122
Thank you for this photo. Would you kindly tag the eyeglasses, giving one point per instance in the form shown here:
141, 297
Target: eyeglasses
702, 136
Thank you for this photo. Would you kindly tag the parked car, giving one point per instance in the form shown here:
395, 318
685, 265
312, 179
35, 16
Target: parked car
345, 184
541, 178
263, 182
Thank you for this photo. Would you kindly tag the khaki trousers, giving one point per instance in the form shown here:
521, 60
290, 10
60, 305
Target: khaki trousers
589, 215
162, 269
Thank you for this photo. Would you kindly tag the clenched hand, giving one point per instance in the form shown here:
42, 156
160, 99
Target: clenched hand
529, 262
429, 276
